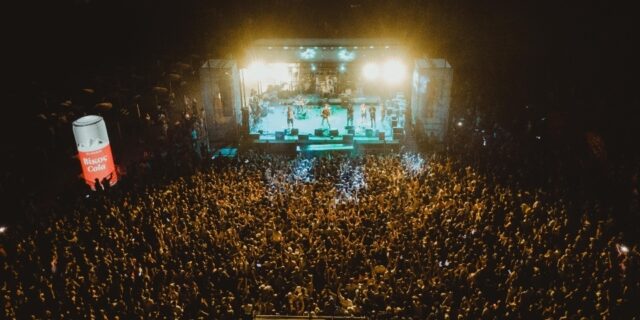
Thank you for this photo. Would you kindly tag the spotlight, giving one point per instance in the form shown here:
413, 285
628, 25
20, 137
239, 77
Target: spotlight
279, 72
343, 68
371, 71
257, 70
460, 123
394, 71
346, 55
313, 67
3, 229
308, 54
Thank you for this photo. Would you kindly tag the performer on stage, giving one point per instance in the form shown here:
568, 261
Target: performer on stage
289, 117
349, 113
363, 113
300, 112
372, 115
326, 112
299, 103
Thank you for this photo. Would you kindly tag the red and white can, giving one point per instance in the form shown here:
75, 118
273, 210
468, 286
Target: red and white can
94, 150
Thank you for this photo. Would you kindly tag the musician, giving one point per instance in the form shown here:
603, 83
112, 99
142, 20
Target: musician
300, 112
349, 113
383, 111
289, 117
372, 115
363, 113
326, 112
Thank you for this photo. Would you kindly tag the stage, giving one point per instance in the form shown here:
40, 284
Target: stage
322, 145
275, 120
269, 131
250, 103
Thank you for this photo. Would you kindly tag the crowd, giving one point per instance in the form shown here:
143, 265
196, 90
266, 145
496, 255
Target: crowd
153, 115
407, 235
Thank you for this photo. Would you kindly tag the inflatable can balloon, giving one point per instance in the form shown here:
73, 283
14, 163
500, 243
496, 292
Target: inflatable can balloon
94, 151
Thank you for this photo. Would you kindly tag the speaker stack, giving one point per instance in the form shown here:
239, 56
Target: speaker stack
369, 133
398, 133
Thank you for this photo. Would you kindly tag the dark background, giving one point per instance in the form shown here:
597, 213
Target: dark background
575, 59
572, 56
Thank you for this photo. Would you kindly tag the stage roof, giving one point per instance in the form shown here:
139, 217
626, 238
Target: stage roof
342, 50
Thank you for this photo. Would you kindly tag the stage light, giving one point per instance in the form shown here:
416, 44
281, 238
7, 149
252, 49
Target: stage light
394, 71
257, 70
346, 55
279, 72
313, 67
308, 54
459, 123
3, 229
371, 71
343, 68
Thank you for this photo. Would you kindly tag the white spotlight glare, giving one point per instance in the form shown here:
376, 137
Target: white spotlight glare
371, 71
279, 72
257, 70
394, 71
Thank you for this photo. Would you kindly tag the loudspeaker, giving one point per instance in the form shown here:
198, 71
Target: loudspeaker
398, 135
347, 138
319, 132
334, 132
254, 136
394, 122
398, 130
303, 137
294, 131
381, 135
369, 133
279, 135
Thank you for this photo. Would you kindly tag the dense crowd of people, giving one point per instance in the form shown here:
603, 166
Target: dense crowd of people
407, 235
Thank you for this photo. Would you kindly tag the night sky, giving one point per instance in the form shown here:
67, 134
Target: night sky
572, 57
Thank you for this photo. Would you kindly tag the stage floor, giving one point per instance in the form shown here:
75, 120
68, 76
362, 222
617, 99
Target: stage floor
276, 120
